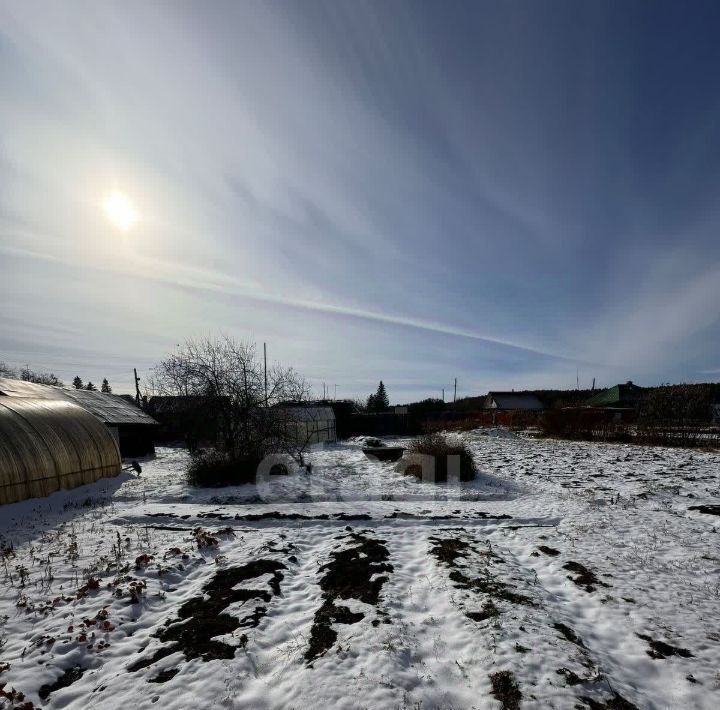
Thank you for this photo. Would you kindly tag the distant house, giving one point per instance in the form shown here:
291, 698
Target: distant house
512, 401
194, 418
132, 429
627, 396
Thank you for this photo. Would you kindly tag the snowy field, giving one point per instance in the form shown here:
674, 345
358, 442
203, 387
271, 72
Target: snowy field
569, 575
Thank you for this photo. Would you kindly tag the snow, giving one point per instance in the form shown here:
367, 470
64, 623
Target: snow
620, 512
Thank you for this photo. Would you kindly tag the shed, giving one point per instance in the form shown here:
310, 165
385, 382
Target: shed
194, 418
47, 444
509, 401
133, 429
313, 424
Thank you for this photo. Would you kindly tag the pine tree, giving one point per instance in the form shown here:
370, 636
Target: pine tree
91, 387
382, 401
379, 401
77, 382
105, 386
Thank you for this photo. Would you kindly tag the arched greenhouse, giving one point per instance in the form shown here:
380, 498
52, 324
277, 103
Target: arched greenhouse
46, 445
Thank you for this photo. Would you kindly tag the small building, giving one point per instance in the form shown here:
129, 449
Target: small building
193, 418
132, 429
49, 444
625, 396
512, 401
311, 424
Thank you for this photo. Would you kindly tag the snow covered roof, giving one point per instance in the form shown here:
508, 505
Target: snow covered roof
108, 408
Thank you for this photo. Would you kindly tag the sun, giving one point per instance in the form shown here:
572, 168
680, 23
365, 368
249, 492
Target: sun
119, 210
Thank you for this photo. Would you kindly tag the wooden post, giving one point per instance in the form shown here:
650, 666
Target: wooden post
137, 387
265, 370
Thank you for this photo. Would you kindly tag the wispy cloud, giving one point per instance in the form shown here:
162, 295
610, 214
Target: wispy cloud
481, 189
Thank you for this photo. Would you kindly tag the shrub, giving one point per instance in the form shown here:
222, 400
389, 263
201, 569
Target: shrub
440, 447
211, 468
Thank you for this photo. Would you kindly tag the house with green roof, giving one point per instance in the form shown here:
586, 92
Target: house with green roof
626, 395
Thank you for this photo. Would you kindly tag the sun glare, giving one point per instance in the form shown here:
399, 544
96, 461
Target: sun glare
119, 210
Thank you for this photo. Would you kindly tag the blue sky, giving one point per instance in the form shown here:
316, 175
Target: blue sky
507, 193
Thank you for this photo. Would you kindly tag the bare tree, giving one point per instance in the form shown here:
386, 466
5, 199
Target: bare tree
225, 378
7, 371
40, 378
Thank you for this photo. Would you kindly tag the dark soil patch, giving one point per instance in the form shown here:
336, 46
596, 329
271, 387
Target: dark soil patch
275, 515
489, 611
506, 690
201, 619
569, 634
617, 702
660, 649
447, 550
148, 661
398, 514
550, 551
571, 678
164, 676
323, 636
707, 509
584, 578
490, 586
348, 575
64, 681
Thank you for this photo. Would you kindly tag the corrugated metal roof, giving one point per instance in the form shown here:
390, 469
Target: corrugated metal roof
184, 403
48, 444
516, 400
108, 408
627, 394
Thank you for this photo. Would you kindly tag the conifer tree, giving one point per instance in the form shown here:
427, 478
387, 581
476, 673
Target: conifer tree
91, 387
77, 382
105, 387
378, 402
382, 401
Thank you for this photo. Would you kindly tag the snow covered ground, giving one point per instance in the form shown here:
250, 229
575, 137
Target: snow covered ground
568, 575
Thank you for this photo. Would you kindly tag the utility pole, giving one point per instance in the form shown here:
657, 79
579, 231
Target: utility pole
443, 394
265, 371
137, 387
455, 393
335, 398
